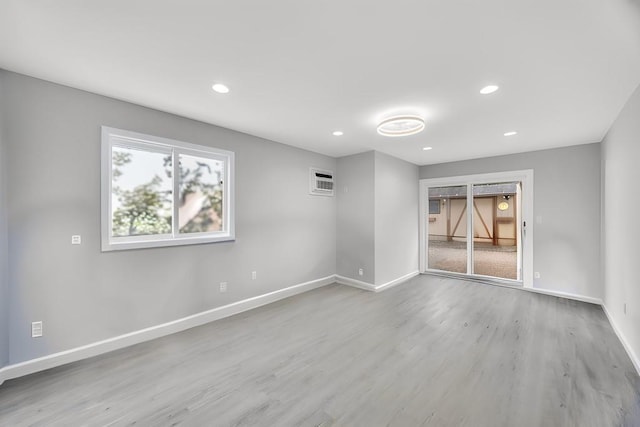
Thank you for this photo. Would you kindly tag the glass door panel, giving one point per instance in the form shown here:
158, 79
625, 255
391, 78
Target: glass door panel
495, 230
447, 225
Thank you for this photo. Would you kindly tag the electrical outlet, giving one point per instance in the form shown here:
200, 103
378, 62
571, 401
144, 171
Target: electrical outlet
36, 329
360, 272
536, 275
223, 286
76, 239
254, 275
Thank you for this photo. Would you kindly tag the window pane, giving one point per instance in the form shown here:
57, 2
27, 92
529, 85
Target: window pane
201, 189
434, 207
447, 227
495, 248
141, 192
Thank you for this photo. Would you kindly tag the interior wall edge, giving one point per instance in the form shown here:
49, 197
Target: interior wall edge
4, 237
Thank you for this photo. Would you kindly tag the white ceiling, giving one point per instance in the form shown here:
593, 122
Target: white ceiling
298, 70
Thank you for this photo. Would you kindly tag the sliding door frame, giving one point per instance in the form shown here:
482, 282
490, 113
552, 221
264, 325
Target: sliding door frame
525, 225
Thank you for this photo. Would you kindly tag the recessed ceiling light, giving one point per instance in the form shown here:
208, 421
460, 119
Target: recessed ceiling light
427, 148
220, 88
401, 126
338, 133
488, 89
510, 133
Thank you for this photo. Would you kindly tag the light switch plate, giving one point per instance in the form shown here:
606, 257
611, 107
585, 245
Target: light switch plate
36, 329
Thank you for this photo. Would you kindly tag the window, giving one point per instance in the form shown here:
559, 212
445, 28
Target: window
161, 192
434, 207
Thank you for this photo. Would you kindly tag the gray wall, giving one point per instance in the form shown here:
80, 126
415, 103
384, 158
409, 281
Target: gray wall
396, 218
377, 217
355, 246
621, 248
4, 284
567, 198
83, 295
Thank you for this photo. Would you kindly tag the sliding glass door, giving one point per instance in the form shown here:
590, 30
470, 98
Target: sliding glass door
476, 226
448, 229
496, 249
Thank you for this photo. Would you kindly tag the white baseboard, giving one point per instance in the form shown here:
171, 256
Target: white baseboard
355, 283
632, 355
517, 285
397, 281
374, 288
567, 295
136, 337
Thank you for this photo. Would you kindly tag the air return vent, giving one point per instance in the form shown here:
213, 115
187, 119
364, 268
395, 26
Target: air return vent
320, 182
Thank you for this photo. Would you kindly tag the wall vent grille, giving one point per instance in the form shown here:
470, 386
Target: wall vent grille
320, 182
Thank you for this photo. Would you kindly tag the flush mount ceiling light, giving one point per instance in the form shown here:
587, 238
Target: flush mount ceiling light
220, 88
510, 133
401, 126
427, 148
489, 89
338, 133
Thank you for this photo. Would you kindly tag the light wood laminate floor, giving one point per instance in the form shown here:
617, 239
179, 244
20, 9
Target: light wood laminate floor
431, 352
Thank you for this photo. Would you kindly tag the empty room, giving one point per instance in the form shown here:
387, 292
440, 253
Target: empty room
289, 213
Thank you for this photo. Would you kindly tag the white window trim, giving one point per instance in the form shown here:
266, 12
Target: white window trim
117, 137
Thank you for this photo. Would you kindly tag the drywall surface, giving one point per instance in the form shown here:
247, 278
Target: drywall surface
4, 241
83, 295
355, 220
621, 251
566, 211
396, 218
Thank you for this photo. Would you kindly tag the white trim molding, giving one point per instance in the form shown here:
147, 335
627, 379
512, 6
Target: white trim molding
566, 295
143, 335
355, 283
375, 288
118, 139
632, 355
94, 349
514, 285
